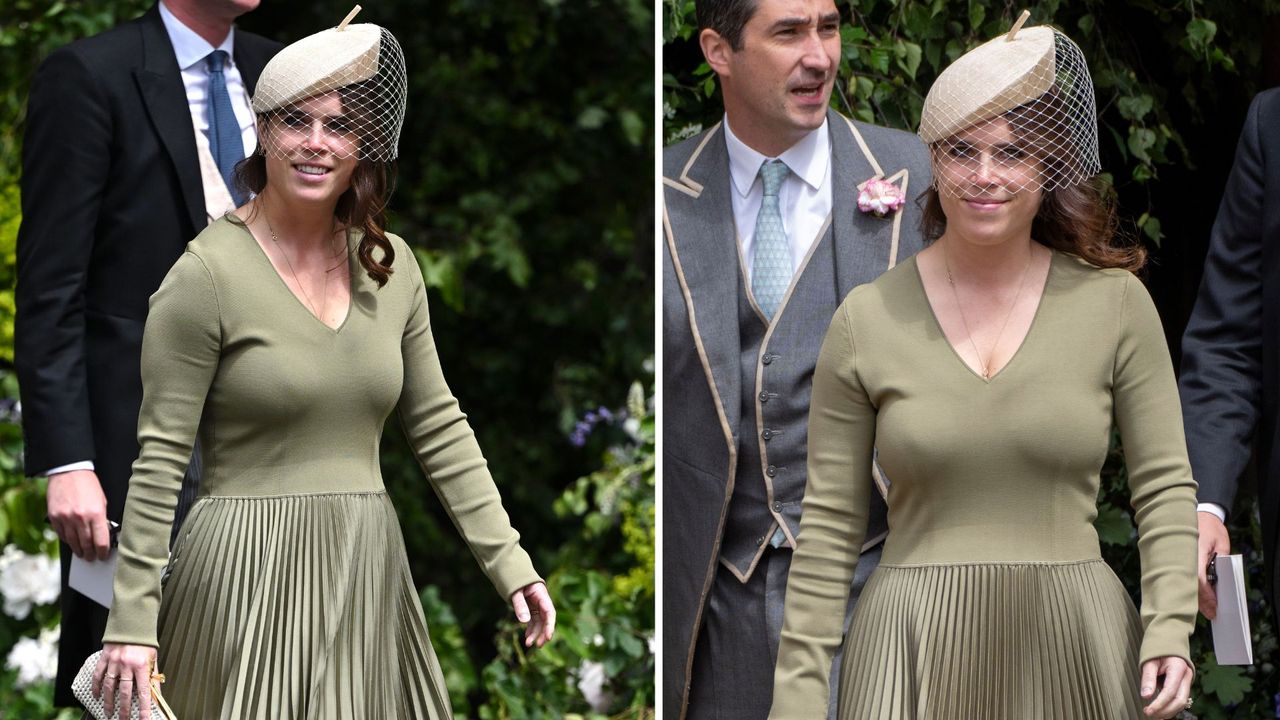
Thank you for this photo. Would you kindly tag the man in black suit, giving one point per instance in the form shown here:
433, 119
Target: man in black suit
1231, 351
119, 128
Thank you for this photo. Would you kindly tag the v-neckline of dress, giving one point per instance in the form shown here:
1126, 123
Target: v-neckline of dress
289, 291
1026, 337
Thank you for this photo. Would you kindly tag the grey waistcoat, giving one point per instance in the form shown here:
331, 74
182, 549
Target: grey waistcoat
773, 434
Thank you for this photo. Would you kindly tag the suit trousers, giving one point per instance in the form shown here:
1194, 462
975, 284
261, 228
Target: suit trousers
737, 648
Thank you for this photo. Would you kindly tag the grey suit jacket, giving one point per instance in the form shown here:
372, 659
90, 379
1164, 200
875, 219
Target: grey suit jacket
701, 349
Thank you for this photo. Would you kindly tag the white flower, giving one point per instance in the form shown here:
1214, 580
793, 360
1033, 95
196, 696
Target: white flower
591, 680
27, 580
35, 659
597, 640
632, 427
653, 645
668, 112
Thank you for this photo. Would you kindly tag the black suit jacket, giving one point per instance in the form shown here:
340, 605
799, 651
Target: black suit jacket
1230, 379
111, 194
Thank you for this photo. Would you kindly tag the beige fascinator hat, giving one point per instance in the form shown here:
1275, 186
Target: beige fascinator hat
1036, 79
361, 67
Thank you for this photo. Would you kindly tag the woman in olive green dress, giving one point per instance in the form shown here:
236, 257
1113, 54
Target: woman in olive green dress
986, 373
286, 334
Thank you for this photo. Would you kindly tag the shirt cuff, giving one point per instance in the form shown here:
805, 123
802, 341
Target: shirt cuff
82, 465
1213, 509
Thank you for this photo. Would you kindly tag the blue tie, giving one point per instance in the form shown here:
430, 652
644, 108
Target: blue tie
224, 130
771, 259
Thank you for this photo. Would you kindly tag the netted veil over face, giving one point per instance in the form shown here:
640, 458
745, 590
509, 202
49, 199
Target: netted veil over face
1014, 114
340, 91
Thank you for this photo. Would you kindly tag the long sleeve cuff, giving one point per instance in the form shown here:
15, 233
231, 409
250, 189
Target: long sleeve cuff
1213, 509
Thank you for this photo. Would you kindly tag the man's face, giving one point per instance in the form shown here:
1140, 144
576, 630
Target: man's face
777, 85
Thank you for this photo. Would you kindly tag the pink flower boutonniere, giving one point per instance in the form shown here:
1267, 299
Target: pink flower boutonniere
880, 197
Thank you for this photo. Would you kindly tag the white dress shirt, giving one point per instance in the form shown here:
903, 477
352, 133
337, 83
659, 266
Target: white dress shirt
1213, 509
805, 197
191, 51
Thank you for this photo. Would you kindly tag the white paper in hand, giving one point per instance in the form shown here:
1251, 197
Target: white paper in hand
95, 580
1232, 642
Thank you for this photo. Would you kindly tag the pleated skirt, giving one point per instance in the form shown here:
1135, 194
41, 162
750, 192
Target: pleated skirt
299, 606
1051, 641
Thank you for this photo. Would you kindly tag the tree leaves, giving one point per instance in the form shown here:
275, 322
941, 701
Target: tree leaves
1226, 682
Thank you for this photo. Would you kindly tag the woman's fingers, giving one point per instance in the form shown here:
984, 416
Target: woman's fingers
99, 672
1150, 669
520, 606
110, 681
533, 606
123, 674
547, 611
1164, 703
142, 687
124, 695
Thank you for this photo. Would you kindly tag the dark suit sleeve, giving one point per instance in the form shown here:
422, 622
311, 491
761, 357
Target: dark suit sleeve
1221, 381
66, 162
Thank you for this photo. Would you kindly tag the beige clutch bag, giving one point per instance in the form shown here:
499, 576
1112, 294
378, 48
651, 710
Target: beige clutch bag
82, 687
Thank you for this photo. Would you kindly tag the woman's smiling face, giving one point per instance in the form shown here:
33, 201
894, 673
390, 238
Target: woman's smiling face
989, 182
312, 149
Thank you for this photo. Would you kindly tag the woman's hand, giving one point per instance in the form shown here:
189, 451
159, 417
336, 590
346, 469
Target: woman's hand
1174, 691
543, 613
123, 672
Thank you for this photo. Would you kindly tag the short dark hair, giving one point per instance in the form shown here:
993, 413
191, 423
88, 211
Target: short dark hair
726, 17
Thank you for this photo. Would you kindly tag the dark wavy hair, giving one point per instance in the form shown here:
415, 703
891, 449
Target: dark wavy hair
363, 206
1078, 218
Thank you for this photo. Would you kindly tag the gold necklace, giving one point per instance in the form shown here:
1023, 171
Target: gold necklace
289, 263
986, 366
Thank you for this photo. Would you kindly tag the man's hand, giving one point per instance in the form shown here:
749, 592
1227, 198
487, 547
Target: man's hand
1213, 539
78, 513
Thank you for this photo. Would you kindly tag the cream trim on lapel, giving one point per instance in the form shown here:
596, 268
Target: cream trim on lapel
731, 479
900, 178
689, 182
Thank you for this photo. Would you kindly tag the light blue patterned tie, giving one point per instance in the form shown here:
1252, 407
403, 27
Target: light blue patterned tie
225, 142
771, 261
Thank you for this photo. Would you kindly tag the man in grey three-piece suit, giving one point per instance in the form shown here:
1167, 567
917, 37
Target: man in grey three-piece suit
763, 240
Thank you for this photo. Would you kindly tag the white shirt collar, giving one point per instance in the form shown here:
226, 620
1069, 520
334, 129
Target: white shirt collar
807, 159
190, 47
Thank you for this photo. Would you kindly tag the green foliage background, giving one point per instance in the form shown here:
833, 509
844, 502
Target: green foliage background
525, 187
1173, 80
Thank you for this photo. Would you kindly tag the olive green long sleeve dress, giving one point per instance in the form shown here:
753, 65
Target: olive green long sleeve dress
288, 594
991, 600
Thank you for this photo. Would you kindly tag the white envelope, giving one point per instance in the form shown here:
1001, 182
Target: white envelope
1232, 642
94, 580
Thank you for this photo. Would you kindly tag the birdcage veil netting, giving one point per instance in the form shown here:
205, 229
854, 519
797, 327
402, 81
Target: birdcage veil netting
1016, 113
339, 92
